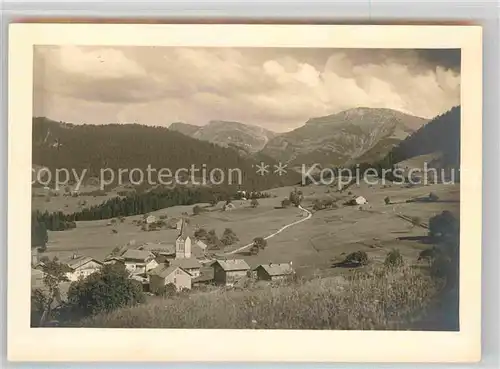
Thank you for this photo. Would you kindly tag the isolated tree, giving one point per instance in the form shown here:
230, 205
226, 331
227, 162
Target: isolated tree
260, 242
201, 234
296, 197
387, 200
54, 275
254, 203
393, 259
105, 290
213, 241
229, 237
254, 249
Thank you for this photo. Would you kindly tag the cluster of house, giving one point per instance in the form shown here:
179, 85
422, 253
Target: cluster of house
183, 265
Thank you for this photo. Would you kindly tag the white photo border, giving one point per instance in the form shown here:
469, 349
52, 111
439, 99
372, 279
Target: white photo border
85, 344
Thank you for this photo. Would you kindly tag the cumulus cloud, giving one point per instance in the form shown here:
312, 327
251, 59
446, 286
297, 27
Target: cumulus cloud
278, 89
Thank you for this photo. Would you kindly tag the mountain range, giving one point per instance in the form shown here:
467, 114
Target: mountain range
365, 134
361, 135
246, 138
354, 135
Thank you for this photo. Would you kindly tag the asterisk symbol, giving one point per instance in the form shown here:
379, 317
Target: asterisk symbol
280, 169
262, 168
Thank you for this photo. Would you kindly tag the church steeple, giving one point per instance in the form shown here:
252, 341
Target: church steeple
183, 242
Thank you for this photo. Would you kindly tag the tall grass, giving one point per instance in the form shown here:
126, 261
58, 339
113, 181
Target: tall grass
382, 298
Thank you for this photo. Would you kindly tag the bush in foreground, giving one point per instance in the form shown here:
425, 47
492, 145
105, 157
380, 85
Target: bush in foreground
391, 299
106, 290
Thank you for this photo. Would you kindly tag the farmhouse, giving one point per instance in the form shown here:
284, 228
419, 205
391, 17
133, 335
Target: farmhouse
113, 260
139, 261
150, 219
360, 200
191, 265
81, 266
273, 271
227, 272
202, 245
161, 251
163, 275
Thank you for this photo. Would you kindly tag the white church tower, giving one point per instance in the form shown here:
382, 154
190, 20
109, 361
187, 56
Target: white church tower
183, 242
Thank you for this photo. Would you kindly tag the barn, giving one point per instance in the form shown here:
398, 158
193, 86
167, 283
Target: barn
227, 272
274, 271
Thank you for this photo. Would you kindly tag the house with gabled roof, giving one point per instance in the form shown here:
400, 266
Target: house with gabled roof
80, 266
139, 261
191, 265
227, 272
161, 251
164, 274
274, 271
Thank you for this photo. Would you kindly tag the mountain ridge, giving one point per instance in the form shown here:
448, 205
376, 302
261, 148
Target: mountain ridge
339, 138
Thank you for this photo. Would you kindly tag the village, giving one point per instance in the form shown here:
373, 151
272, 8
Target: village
183, 262
184, 265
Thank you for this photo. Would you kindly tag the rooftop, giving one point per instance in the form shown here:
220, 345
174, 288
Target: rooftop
233, 264
76, 261
158, 248
190, 263
164, 270
133, 254
276, 269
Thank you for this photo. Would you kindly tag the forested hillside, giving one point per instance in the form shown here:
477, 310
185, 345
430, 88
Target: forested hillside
441, 134
115, 146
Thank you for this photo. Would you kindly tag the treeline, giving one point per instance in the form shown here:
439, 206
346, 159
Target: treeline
134, 204
133, 146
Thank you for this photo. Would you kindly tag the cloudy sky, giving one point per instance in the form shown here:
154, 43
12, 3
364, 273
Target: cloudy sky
278, 89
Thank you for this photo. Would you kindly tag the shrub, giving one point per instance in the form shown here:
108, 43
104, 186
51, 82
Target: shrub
106, 290
444, 225
201, 234
387, 200
197, 209
394, 259
433, 197
229, 237
213, 241
296, 197
254, 203
357, 257
260, 242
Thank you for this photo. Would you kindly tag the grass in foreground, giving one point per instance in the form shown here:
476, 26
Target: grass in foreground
377, 299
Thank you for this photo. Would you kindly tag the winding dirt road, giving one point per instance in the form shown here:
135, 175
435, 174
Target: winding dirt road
309, 215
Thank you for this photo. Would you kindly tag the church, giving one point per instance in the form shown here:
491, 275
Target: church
183, 241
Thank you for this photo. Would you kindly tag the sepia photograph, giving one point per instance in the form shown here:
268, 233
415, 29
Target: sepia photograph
235, 188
